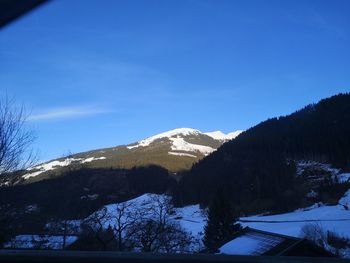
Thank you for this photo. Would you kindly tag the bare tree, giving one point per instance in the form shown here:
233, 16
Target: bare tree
161, 208
147, 227
40, 242
94, 229
315, 233
61, 227
14, 138
124, 216
158, 232
151, 236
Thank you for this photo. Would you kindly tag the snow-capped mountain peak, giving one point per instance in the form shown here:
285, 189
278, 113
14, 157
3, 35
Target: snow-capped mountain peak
219, 135
180, 132
234, 134
183, 132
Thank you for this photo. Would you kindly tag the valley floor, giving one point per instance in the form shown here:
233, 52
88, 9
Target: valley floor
334, 218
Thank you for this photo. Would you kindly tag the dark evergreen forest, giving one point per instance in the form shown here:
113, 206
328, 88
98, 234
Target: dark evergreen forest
80, 192
257, 169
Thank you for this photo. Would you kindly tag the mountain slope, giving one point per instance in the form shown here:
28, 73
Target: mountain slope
175, 150
258, 168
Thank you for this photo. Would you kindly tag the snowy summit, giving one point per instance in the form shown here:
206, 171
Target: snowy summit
185, 132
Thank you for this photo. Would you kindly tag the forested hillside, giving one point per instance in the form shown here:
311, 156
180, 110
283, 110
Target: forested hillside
76, 194
258, 168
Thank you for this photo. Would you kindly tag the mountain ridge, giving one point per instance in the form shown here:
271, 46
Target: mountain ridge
175, 150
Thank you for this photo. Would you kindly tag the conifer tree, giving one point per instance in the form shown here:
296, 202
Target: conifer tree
221, 222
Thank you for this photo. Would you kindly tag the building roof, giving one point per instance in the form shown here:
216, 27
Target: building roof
254, 242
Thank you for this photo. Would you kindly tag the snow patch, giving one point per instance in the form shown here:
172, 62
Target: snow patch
179, 144
54, 164
219, 135
343, 178
90, 159
182, 154
168, 134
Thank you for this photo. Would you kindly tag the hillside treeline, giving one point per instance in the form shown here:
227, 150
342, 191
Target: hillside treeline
257, 169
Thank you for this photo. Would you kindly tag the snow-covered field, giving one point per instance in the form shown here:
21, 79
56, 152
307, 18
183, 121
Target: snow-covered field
333, 218
191, 218
39, 242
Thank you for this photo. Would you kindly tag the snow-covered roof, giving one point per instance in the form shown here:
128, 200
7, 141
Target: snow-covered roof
254, 242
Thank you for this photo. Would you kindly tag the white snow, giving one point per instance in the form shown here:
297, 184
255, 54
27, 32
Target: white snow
345, 201
182, 154
336, 174
191, 218
333, 218
343, 178
252, 244
219, 135
54, 164
234, 134
179, 144
306, 164
39, 241
168, 134
28, 175
312, 194
90, 159
181, 132
330, 218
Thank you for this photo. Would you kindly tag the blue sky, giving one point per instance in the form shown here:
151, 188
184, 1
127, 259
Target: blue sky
102, 73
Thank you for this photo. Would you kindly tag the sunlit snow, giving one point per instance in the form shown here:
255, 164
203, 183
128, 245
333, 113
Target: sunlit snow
219, 135
54, 164
182, 154
179, 144
180, 133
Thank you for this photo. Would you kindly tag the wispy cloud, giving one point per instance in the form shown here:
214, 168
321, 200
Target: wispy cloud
66, 112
